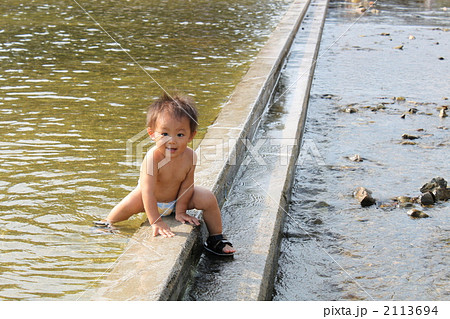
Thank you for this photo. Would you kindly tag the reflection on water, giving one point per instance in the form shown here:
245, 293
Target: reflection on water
332, 249
70, 97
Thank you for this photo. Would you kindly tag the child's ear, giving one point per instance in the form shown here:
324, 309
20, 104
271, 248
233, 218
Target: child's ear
192, 136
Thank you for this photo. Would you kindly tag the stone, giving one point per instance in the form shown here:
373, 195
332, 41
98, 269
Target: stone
427, 199
441, 182
442, 113
404, 199
409, 137
437, 182
428, 187
356, 158
442, 193
364, 196
405, 205
417, 213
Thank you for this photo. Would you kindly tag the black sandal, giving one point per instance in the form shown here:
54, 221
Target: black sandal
215, 245
104, 227
102, 224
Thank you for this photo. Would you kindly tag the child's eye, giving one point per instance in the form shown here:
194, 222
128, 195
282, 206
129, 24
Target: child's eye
164, 134
180, 134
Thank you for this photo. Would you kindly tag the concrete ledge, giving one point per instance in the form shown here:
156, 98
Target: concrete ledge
257, 203
154, 268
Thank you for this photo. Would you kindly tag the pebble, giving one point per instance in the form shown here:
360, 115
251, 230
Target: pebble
417, 213
409, 137
364, 196
404, 199
356, 158
408, 143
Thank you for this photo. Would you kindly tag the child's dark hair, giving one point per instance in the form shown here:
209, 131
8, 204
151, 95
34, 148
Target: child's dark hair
178, 105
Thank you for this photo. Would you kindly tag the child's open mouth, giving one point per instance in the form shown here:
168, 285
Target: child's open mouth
171, 149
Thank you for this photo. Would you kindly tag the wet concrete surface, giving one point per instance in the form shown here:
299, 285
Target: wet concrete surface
254, 206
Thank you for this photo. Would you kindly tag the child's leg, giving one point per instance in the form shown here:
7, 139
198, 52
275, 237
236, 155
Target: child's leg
203, 199
130, 205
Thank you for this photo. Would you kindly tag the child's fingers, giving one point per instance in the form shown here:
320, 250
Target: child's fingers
194, 221
164, 232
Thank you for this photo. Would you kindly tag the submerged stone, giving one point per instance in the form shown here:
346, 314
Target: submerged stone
404, 199
417, 213
408, 143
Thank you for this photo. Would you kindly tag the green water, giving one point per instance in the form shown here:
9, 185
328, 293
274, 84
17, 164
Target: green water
75, 80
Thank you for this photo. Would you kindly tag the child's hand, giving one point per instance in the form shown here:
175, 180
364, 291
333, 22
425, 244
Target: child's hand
161, 228
183, 218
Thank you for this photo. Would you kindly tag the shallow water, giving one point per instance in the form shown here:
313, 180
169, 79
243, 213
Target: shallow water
332, 249
71, 97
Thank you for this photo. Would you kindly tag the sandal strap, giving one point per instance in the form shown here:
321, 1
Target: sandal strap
218, 242
221, 244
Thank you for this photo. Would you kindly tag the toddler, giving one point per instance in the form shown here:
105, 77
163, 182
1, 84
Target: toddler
166, 183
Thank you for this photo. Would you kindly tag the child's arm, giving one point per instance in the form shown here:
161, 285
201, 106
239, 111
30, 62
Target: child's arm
148, 176
184, 196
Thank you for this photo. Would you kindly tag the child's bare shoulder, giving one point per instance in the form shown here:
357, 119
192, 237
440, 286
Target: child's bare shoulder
152, 158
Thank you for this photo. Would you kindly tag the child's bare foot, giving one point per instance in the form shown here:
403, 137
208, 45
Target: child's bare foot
219, 246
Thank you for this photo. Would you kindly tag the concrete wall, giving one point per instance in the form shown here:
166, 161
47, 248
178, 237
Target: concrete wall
155, 268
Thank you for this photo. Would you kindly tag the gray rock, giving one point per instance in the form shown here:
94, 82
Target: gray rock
437, 182
442, 183
427, 198
442, 193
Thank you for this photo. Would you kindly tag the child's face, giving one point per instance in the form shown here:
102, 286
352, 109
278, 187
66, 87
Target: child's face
171, 135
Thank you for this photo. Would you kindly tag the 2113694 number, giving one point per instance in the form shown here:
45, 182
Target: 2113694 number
410, 310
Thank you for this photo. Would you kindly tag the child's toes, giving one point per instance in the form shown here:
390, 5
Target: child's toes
228, 249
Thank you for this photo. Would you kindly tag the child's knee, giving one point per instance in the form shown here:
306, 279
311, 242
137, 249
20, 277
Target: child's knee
210, 197
204, 199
